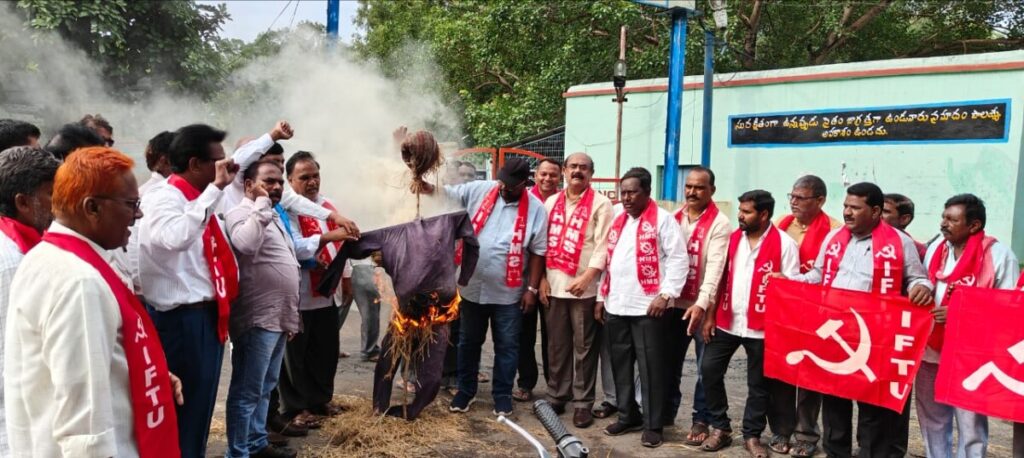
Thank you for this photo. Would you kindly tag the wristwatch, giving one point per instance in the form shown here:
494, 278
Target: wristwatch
665, 296
531, 289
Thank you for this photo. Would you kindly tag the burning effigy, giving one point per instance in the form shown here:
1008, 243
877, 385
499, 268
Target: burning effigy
420, 257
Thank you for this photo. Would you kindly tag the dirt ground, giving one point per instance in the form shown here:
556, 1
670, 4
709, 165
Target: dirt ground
491, 439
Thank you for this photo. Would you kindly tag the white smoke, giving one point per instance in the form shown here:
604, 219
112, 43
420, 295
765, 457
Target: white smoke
342, 110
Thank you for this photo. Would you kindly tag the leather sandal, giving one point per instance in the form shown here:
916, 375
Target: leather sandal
698, 434
779, 444
605, 410
756, 448
522, 395
718, 440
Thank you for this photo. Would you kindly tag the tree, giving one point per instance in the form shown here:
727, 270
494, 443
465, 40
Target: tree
142, 45
508, 61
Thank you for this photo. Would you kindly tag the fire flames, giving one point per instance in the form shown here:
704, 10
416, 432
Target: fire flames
434, 315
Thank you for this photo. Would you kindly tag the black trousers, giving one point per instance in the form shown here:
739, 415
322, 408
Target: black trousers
880, 431
527, 356
450, 370
794, 411
640, 340
310, 362
717, 355
679, 341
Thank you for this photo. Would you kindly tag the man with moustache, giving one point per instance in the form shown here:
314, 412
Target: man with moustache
965, 256
899, 212
264, 315
546, 177
26, 182
756, 251
847, 260
794, 411
645, 271
707, 232
578, 222
85, 373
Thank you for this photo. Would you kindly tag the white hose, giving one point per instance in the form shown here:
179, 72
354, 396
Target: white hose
541, 451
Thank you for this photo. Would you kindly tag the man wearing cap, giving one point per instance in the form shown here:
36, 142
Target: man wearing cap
511, 227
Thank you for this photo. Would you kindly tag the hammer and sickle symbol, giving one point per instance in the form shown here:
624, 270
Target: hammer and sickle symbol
887, 252
973, 381
858, 360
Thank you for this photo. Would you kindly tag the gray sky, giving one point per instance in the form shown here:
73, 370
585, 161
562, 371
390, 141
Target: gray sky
250, 18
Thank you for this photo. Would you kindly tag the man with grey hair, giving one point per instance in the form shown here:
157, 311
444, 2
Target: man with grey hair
26, 182
795, 411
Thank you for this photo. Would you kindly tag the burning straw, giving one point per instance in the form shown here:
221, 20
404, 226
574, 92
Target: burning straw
359, 432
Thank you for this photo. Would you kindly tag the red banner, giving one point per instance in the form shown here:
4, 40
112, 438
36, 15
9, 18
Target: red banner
982, 364
854, 345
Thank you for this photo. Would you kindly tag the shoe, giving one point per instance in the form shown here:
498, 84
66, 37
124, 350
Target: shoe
619, 428
461, 402
279, 425
502, 406
277, 439
605, 410
581, 418
651, 439
275, 452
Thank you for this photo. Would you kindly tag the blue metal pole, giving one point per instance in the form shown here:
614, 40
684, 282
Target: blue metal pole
709, 87
333, 12
676, 62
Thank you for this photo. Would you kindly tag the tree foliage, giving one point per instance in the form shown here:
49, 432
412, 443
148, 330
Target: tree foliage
142, 45
508, 61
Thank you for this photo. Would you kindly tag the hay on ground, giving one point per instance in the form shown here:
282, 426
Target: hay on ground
358, 432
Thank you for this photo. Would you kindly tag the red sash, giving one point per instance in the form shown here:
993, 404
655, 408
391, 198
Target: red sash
22, 235
155, 421
811, 244
514, 260
974, 268
769, 260
696, 249
566, 238
310, 226
536, 192
219, 258
887, 250
647, 266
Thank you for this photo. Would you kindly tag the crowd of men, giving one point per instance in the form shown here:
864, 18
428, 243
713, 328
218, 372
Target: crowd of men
154, 279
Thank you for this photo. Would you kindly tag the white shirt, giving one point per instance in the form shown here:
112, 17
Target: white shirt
10, 257
625, 295
66, 376
1005, 265
743, 276
306, 249
249, 154
154, 178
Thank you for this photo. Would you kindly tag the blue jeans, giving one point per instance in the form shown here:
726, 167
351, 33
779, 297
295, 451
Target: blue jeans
255, 366
936, 421
194, 353
506, 323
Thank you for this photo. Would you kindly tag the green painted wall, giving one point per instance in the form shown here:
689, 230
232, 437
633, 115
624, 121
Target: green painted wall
927, 173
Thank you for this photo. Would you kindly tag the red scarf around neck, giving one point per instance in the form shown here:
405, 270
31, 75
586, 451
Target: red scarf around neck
310, 226
153, 410
811, 243
648, 270
514, 259
768, 261
695, 249
886, 250
536, 192
219, 259
22, 235
974, 268
566, 238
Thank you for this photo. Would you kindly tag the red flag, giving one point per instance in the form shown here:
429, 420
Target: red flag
982, 364
854, 345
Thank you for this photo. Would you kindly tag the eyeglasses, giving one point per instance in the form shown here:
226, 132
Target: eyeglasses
135, 204
797, 198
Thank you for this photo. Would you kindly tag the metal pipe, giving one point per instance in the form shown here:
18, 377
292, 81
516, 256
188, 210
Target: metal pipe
677, 61
709, 87
620, 97
333, 14
541, 451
